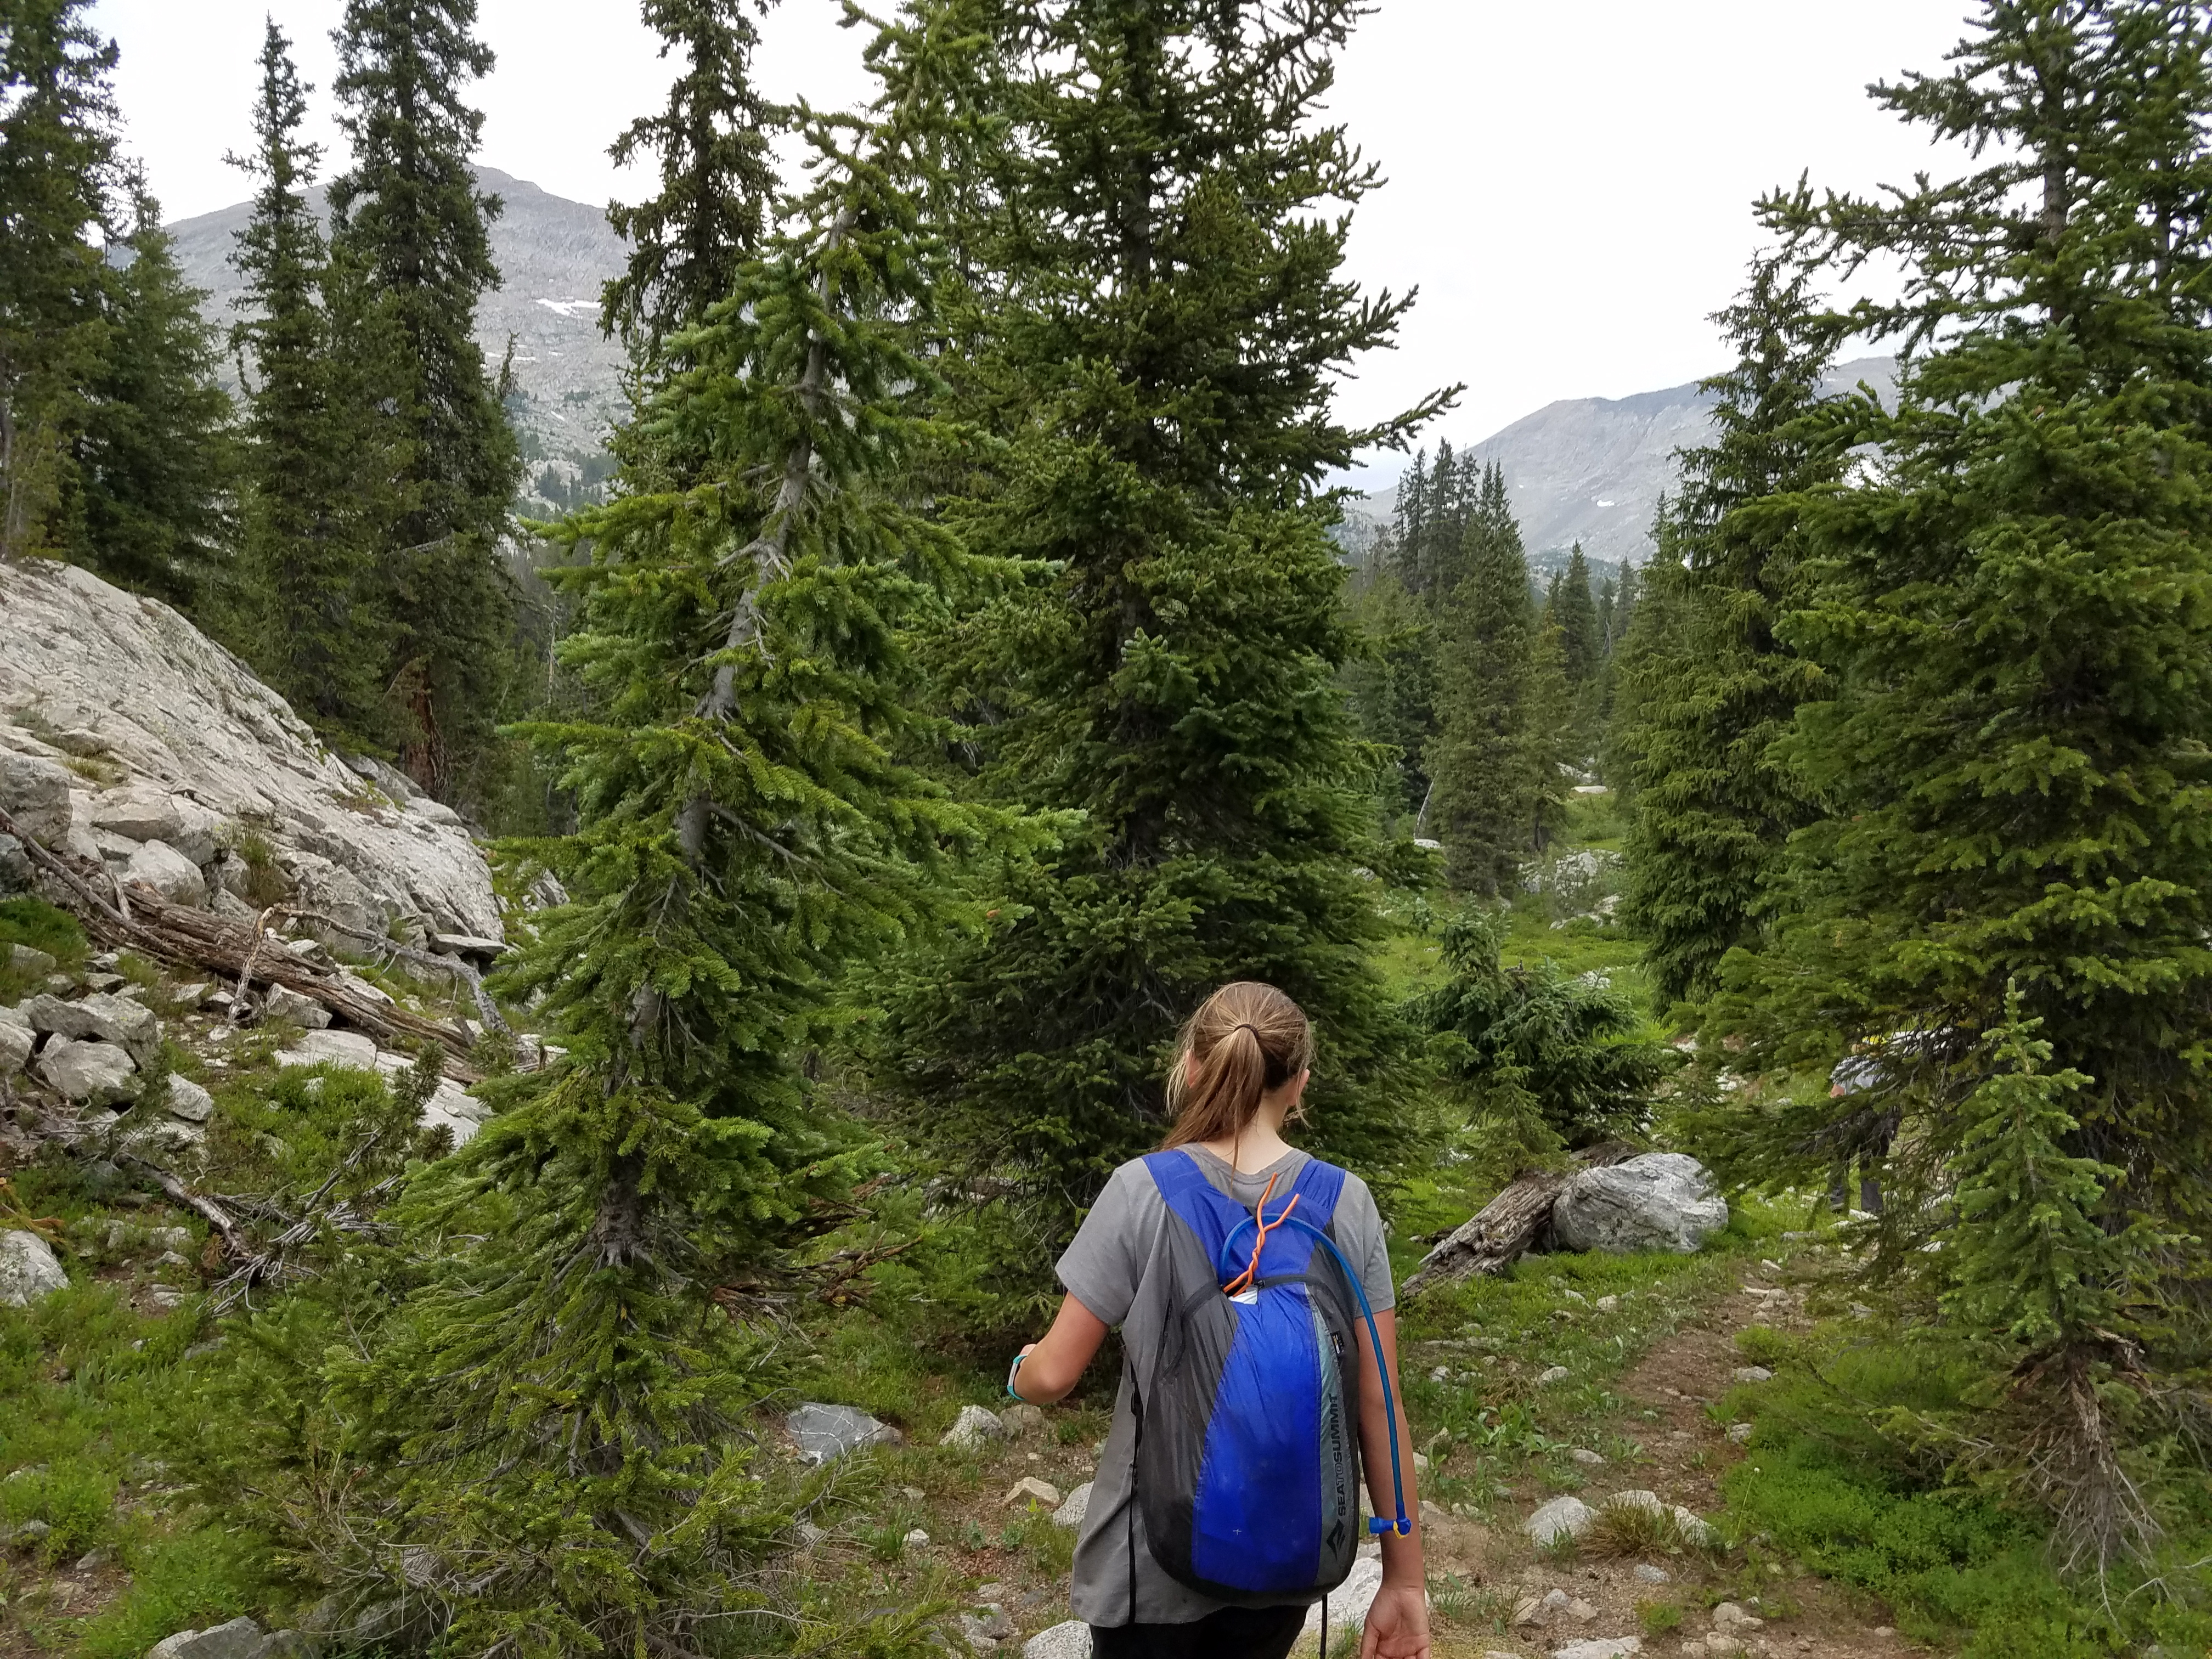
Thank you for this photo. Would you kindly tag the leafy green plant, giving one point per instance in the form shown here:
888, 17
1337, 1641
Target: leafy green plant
1659, 1618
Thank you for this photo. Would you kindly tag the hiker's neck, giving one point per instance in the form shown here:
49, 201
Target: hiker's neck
1260, 1142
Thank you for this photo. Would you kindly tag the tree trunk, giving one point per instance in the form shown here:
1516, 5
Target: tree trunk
1505, 1227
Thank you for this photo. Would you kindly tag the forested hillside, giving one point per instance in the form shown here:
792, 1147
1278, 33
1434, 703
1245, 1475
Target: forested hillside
545, 1065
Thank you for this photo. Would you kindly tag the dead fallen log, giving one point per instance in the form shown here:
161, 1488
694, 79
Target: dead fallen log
199, 939
1504, 1230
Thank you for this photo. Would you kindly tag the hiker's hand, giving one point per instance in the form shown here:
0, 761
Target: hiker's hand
1397, 1625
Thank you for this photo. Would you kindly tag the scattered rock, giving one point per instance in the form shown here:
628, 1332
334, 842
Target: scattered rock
1587, 1458
1030, 1486
168, 873
978, 1639
1660, 1201
29, 959
825, 1433
288, 1005
975, 1426
1554, 1375
28, 1270
1022, 1418
915, 1538
991, 1620
15, 865
1730, 1617
94, 1560
1563, 1517
31, 1531
1601, 1647
96, 1073
1753, 1374
35, 793
1071, 1640
347, 1048
188, 1101
1349, 1601
809, 1534
1740, 1433
1606, 1303
466, 945
17, 1042
1073, 1507
241, 1639
1648, 1574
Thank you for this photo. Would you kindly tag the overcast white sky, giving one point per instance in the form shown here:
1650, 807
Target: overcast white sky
1569, 184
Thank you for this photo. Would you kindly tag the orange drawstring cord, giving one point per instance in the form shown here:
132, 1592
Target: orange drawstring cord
1250, 1275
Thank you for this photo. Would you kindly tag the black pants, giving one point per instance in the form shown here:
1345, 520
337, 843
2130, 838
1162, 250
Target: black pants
1231, 1633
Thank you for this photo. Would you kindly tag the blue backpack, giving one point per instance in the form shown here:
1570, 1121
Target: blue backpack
1248, 1422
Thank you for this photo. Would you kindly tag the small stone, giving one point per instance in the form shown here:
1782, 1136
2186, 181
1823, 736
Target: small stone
1740, 1433
1022, 1418
288, 1006
31, 1531
190, 996
1753, 1374
241, 1639
1884, 1630
1648, 1574
1069, 1640
168, 873
1568, 1516
825, 1433
809, 1534
1729, 1617
975, 1426
465, 944
1606, 1303
95, 1073
978, 1639
1581, 1610
28, 1272
1073, 1507
915, 1538
1587, 1458
188, 1101
94, 1560
994, 1623
347, 1048
1030, 1486
17, 1042
1555, 1374
1601, 1647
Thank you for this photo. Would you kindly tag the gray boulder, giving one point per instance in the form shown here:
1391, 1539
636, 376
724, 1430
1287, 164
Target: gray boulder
168, 873
17, 1042
95, 1073
241, 1639
826, 1433
1565, 1516
348, 1049
99, 1019
145, 811
972, 1428
1660, 1201
289, 1005
1071, 1640
1348, 1602
28, 1270
29, 959
188, 1101
35, 793
15, 866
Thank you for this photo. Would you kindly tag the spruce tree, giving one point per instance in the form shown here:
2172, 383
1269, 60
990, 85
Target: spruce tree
2014, 610
151, 486
1390, 682
411, 256
311, 622
57, 168
1574, 614
717, 177
554, 1429
1705, 685
1482, 759
1157, 316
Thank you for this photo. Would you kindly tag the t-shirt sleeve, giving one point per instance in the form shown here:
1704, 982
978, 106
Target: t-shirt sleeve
1102, 1266
1359, 1235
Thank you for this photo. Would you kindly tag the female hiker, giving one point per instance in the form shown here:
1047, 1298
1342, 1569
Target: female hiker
1260, 1349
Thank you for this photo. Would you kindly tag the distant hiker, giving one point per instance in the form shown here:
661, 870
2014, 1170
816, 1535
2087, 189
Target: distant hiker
1254, 1295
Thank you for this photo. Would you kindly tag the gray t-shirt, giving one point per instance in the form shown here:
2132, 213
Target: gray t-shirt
1107, 1269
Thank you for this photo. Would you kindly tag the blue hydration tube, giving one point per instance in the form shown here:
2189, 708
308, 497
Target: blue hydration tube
1402, 1525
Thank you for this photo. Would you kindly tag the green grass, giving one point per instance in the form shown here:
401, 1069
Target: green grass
35, 923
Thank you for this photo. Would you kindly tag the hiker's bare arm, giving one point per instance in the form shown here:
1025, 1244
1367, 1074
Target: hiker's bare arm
1398, 1623
1050, 1368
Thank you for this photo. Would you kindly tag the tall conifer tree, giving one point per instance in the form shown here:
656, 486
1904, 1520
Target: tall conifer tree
1482, 759
311, 623
1707, 687
558, 1421
151, 485
412, 255
717, 176
2015, 613
1157, 317
57, 168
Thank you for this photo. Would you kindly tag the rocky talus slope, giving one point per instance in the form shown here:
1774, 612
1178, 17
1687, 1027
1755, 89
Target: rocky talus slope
131, 738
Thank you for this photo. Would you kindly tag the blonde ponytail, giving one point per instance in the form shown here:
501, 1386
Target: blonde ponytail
1245, 1039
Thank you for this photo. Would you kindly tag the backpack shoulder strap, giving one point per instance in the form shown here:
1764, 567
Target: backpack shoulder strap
1213, 1217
